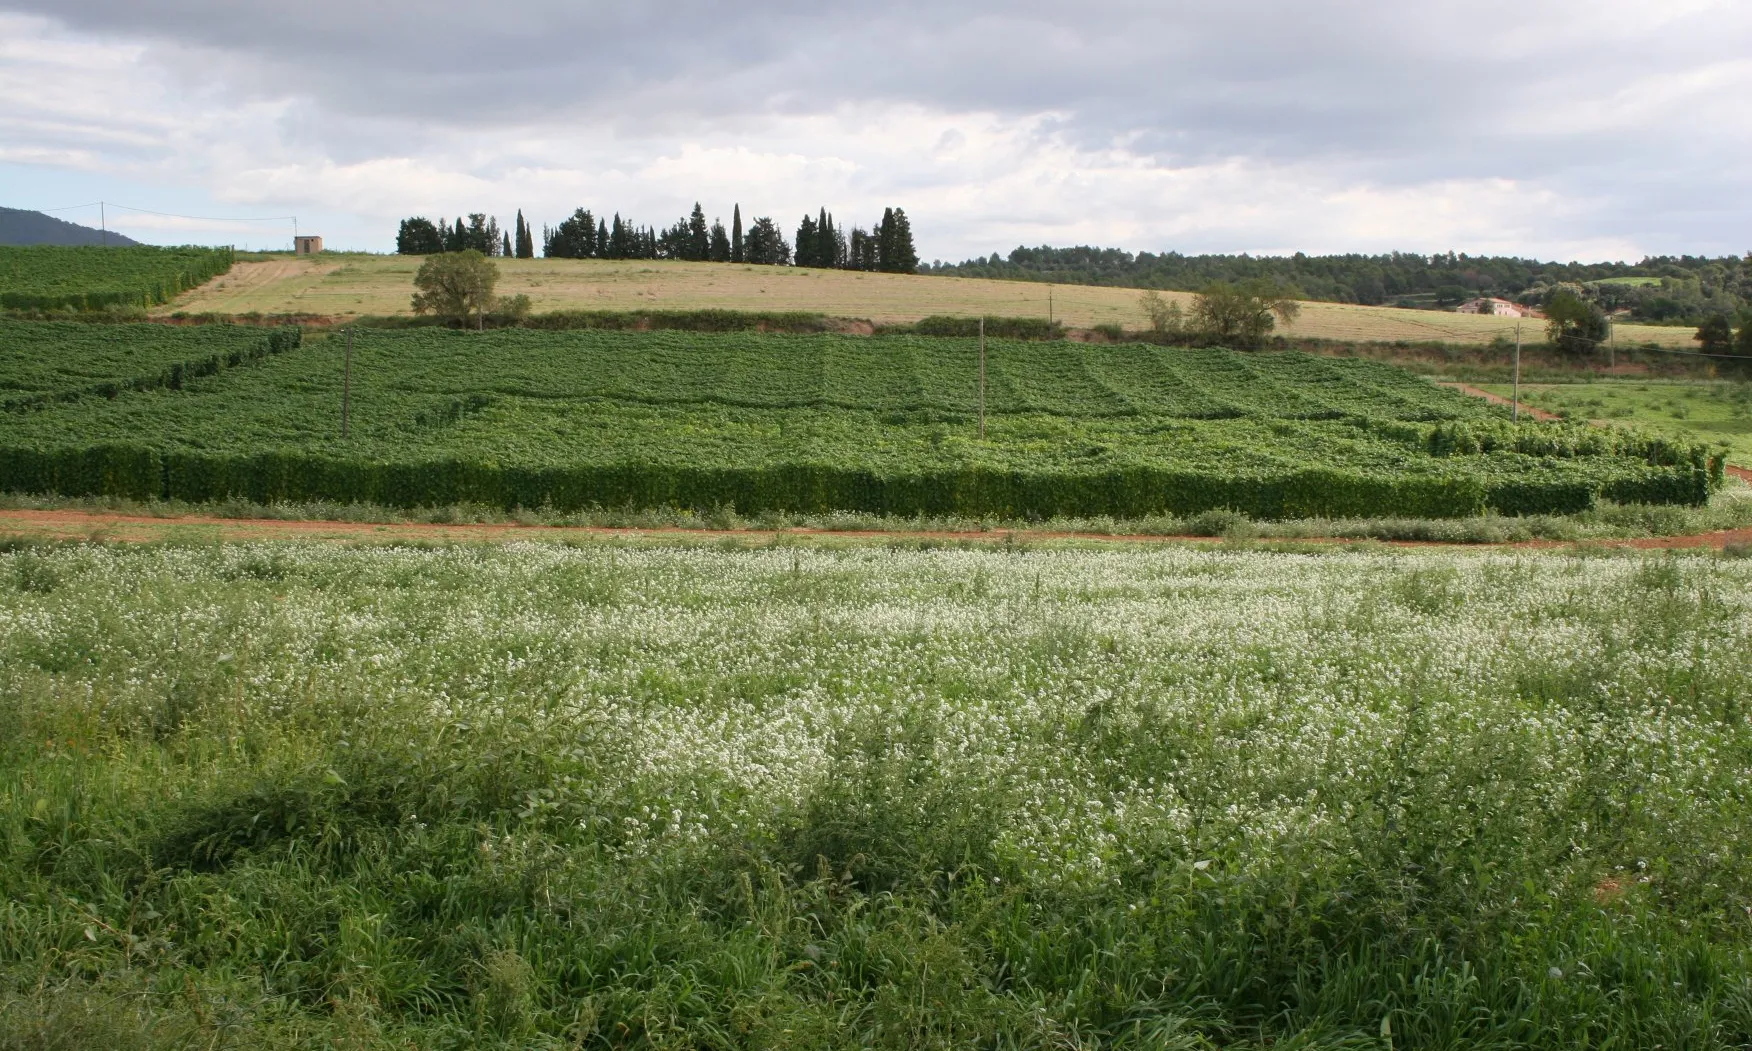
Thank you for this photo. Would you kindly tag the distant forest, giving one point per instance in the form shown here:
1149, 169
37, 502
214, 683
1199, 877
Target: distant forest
1679, 290
820, 241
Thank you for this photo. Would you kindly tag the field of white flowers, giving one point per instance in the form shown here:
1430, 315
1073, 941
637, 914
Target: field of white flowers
684, 796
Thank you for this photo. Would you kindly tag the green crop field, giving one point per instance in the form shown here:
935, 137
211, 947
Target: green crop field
821, 423
1716, 413
53, 277
293, 796
43, 361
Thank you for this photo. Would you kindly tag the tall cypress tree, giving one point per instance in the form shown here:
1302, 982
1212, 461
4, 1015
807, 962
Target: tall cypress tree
699, 236
720, 243
904, 258
807, 242
525, 246
736, 235
617, 239
602, 238
885, 240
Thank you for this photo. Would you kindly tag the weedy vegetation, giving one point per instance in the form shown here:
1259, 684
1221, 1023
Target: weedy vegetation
545, 796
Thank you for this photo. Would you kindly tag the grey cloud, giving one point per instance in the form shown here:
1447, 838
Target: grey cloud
1384, 91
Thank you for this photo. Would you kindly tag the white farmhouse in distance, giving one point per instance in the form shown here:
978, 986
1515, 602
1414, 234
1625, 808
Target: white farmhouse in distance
1499, 307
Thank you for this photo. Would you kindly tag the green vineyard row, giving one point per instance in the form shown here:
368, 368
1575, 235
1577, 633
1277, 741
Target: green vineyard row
56, 277
819, 423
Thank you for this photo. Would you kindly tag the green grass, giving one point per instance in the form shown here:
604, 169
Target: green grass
296, 796
1717, 413
826, 423
53, 277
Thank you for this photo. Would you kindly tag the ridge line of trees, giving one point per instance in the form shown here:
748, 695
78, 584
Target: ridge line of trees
887, 246
1659, 289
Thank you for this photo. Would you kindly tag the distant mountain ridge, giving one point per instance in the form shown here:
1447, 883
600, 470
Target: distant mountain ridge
21, 227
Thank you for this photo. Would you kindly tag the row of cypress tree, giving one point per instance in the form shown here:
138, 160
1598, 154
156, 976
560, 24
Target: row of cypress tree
887, 246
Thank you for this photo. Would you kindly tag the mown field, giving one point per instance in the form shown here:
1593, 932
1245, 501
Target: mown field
1715, 412
296, 796
565, 420
54, 277
346, 285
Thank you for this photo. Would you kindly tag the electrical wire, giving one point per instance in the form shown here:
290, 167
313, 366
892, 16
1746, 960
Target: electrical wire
204, 218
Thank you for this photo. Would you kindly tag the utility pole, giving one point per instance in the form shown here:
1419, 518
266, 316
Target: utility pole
347, 385
1048, 306
982, 377
103, 222
1515, 410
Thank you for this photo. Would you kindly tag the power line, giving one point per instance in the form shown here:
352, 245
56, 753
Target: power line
174, 215
206, 218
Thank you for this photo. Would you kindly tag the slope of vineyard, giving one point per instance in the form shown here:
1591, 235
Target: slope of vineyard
60, 277
827, 422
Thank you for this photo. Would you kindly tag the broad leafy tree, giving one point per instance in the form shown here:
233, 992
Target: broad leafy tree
1573, 324
1243, 314
419, 236
1716, 334
456, 285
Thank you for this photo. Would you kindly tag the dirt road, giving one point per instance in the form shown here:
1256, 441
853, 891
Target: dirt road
102, 526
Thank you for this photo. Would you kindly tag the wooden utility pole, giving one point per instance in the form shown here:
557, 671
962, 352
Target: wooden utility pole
1515, 410
982, 377
103, 221
347, 386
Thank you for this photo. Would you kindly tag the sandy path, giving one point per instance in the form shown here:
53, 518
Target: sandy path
84, 525
1498, 399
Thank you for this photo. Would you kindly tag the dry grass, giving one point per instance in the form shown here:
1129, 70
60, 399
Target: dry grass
352, 285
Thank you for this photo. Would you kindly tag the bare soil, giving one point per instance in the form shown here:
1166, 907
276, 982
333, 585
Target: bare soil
104, 526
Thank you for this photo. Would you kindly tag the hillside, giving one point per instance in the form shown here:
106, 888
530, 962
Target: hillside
20, 227
345, 286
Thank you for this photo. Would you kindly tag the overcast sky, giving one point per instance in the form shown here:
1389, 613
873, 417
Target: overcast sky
1592, 129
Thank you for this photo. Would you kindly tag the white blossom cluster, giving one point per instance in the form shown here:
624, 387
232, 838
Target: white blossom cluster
1089, 710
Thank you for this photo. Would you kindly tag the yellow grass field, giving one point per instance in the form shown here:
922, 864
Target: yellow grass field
346, 285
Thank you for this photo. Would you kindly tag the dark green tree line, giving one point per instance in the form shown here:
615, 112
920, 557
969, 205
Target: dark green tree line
821, 242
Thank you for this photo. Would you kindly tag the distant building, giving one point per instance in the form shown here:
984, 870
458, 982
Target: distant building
1499, 307
309, 244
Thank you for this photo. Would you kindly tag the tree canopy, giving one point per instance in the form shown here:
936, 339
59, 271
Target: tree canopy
456, 285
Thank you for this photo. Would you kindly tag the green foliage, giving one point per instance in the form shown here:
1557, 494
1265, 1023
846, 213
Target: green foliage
296, 796
1660, 289
418, 236
1574, 325
53, 277
1032, 328
1166, 318
815, 424
1716, 335
44, 362
1242, 314
455, 285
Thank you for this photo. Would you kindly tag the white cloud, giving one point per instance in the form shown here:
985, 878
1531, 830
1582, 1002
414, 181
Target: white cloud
1363, 126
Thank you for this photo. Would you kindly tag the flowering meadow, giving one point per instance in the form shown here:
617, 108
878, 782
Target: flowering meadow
872, 796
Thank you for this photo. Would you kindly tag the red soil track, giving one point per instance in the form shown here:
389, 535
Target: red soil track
105, 526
